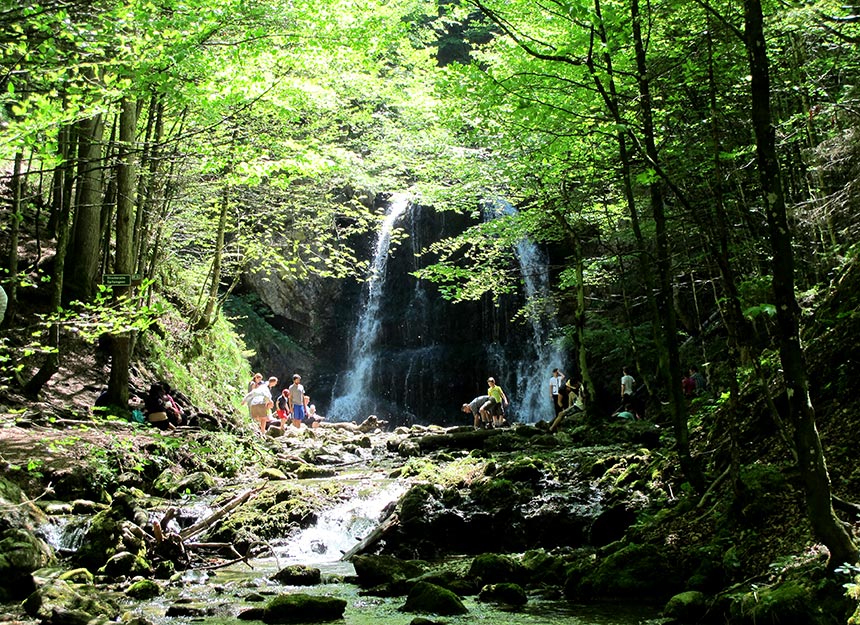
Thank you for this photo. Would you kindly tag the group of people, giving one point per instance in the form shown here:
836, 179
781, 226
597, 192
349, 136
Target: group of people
488, 410
291, 406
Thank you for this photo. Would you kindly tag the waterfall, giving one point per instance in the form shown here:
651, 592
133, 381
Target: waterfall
532, 369
355, 402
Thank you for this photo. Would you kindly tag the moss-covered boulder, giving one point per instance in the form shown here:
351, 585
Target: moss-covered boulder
272, 473
632, 572
458, 583
432, 599
21, 551
543, 567
197, 482
688, 607
110, 532
61, 596
790, 603
375, 570
505, 594
494, 568
143, 589
298, 575
303, 608
523, 469
125, 564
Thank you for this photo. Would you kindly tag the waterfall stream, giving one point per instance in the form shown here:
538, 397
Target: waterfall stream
531, 372
355, 401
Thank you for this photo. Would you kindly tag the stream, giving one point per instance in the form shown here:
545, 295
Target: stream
218, 597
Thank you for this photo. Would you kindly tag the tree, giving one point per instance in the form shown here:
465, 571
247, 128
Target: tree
813, 469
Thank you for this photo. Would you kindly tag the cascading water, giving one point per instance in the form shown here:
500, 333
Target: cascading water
355, 401
530, 401
340, 529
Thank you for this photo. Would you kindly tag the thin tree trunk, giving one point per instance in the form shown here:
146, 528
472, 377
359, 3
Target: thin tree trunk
671, 367
52, 361
14, 230
813, 469
120, 344
84, 246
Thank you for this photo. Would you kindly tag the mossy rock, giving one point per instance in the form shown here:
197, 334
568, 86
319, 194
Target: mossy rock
197, 482
303, 608
143, 589
77, 576
688, 607
432, 599
273, 474
298, 575
375, 570
496, 493
790, 603
166, 481
524, 469
634, 571
311, 471
494, 568
61, 596
125, 564
505, 594
543, 567
417, 503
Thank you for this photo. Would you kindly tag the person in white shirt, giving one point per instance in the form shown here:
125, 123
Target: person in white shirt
554, 386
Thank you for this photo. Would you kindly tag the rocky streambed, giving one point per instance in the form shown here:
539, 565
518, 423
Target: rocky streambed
513, 525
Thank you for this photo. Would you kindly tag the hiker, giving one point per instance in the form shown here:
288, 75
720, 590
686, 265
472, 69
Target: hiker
500, 400
260, 402
478, 408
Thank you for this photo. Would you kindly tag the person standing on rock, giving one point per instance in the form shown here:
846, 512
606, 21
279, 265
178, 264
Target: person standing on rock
297, 399
260, 402
478, 408
500, 401
555, 382
282, 407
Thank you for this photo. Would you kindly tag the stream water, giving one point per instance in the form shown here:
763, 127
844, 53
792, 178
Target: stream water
219, 596
231, 590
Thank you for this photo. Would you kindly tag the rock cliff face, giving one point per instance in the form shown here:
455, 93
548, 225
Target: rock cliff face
430, 356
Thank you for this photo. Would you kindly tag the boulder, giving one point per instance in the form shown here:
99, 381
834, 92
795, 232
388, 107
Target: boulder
21, 551
505, 594
298, 575
143, 589
494, 568
432, 599
125, 564
303, 608
76, 601
687, 607
375, 570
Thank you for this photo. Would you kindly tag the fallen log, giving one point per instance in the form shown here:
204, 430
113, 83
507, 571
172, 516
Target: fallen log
204, 524
371, 539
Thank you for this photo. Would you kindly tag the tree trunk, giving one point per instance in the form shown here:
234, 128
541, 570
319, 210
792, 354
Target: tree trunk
671, 367
84, 248
120, 344
14, 229
52, 361
825, 524
208, 311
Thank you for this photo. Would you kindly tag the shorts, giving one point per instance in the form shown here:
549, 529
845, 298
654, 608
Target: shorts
259, 411
492, 406
298, 413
